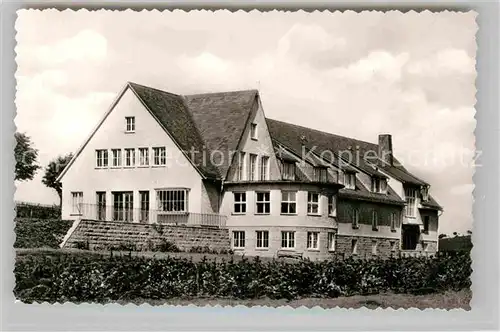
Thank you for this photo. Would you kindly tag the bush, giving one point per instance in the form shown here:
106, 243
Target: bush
166, 246
86, 277
38, 233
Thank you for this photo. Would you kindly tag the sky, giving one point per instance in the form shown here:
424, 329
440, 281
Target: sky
354, 74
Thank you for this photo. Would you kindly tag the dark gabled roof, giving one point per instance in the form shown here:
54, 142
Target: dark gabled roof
293, 137
221, 119
361, 192
202, 123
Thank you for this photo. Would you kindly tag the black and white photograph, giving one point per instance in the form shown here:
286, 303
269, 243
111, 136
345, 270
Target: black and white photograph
318, 159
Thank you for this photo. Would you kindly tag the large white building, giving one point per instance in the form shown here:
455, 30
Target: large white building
215, 160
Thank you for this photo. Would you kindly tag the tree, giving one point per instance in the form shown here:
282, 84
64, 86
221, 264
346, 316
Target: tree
52, 172
441, 236
26, 157
469, 232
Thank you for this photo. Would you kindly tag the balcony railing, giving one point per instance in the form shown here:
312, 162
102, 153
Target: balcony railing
126, 214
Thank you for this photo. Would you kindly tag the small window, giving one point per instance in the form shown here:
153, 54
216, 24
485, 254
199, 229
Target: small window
76, 203
143, 156
375, 220
172, 200
313, 240
264, 168
289, 202
288, 171
354, 246
241, 166
101, 158
331, 241
117, 157
313, 203
263, 203
393, 221
240, 203
238, 239
253, 131
332, 206
287, 240
376, 184
320, 174
129, 157
252, 169
425, 246
426, 224
159, 156
349, 180
130, 124
355, 219
262, 239
374, 247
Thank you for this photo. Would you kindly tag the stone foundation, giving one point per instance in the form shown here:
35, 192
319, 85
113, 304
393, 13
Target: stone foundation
102, 235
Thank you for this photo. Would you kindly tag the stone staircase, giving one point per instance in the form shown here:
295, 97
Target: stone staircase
103, 235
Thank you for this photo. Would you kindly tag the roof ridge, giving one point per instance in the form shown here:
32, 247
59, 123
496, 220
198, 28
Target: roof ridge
149, 87
321, 131
220, 93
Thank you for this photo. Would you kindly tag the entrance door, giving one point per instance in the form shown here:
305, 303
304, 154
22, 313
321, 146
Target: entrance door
144, 195
123, 206
410, 236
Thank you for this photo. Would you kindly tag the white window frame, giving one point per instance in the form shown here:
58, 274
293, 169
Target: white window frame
411, 202
374, 247
240, 200
354, 246
129, 157
332, 206
286, 198
264, 168
263, 202
332, 239
130, 124
288, 171
239, 239
287, 240
76, 200
252, 167
350, 180
313, 240
393, 221
241, 166
253, 131
262, 239
374, 220
355, 218
320, 174
159, 156
376, 184
143, 156
170, 200
102, 158
117, 157
311, 203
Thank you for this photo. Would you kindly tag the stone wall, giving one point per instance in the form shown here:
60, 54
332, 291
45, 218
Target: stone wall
384, 247
103, 235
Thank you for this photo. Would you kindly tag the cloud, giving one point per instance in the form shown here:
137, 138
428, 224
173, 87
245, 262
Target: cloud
444, 62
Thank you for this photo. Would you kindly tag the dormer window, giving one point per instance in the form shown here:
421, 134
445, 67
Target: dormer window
379, 185
425, 193
253, 131
288, 171
130, 124
350, 180
320, 174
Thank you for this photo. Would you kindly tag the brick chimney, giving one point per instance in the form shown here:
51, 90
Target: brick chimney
385, 148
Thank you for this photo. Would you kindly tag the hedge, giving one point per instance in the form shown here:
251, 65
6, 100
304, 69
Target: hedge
38, 233
38, 211
96, 278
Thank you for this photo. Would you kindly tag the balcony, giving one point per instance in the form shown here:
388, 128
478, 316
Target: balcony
125, 214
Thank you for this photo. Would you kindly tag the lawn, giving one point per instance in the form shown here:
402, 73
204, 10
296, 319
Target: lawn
447, 300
